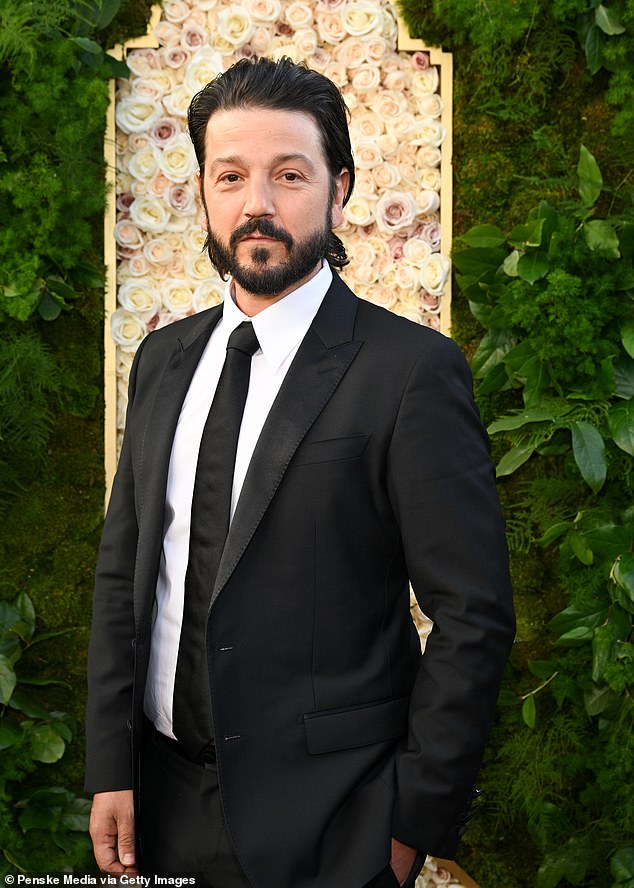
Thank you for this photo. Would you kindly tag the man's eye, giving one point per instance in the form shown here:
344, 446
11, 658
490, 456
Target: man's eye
230, 177
291, 177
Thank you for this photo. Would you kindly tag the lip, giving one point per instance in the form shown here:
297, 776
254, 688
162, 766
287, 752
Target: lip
259, 238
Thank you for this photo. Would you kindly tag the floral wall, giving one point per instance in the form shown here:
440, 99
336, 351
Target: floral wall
392, 228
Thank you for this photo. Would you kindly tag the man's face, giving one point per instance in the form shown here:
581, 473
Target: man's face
269, 200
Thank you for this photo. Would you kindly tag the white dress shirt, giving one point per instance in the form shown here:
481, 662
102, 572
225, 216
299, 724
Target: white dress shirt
280, 329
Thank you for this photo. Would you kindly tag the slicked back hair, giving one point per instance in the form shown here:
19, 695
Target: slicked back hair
281, 86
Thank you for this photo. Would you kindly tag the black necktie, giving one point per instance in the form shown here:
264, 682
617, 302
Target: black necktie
211, 506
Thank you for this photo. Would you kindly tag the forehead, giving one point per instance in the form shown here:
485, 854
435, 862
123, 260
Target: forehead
255, 130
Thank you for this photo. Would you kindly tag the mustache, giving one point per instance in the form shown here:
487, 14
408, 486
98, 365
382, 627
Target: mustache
260, 226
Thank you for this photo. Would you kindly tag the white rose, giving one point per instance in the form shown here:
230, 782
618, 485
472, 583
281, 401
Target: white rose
143, 164
177, 159
197, 267
175, 57
366, 124
127, 234
367, 154
388, 143
361, 17
390, 105
362, 249
330, 27
364, 185
149, 213
235, 25
429, 179
261, 41
204, 66
384, 296
177, 102
358, 211
156, 83
306, 41
176, 11
434, 273
423, 83
127, 329
427, 201
352, 53
288, 50
416, 249
265, 10
377, 47
428, 156
167, 33
428, 132
336, 72
139, 296
430, 106
408, 311
177, 297
298, 15
397, 80
135, 114
158, 251
395, 211
386, 176
136, 266
194, 239
406, 277
194, 35
403, 125
142, 61
365, 78
208, 293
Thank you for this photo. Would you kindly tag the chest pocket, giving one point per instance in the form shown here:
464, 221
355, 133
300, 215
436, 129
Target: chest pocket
330, 450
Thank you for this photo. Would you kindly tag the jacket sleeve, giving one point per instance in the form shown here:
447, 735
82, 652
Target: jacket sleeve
111, 647
442, 487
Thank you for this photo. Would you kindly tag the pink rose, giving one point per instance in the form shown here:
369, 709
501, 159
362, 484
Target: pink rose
395, 211
420, 61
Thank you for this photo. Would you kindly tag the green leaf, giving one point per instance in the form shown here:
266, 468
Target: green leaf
529, 711
495, 379
622, 575
621, 425
624, 376
48, 308
107, 12
484, 236
576, 636
510, 264
554, 532
528, 234
603, 643
114, 68
589, 452
478, 261
8, 680
518, 420
580, 549
46, 744
24, 605
607, 21
589, 615
514, 459
10, 733
590, 178
533, 266
601, 238
594, 53
622, 622
622, 863
87, 45
25, 704
598, 699
627, 337
494, 346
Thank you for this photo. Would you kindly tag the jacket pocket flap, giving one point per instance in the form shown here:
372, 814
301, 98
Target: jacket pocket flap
330, 449
349, 728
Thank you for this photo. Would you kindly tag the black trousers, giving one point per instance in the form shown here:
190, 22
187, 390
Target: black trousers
182, 829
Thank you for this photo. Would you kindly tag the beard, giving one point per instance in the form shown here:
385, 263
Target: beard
261, 277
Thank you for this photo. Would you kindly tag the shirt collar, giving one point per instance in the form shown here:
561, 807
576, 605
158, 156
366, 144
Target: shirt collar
281, 327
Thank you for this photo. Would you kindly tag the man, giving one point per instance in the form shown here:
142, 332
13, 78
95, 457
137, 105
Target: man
264, 696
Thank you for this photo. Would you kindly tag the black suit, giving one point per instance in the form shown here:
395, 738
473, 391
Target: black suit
372, 469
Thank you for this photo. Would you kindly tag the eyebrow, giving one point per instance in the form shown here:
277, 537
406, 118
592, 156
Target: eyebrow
279, 158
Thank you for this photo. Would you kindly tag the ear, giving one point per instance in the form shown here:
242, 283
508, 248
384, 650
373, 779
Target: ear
203, 221
342, 182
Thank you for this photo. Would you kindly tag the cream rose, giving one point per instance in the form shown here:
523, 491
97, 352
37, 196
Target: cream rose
364, 184
395, 211
386, 176
384, 296
429, 179
176, 296
336, 72
135, 114
377, 47
298, 15
158, 251
361, 17
416, 249
285, 49
428, 156
388, 143
352, 52
424, 82
209, 293
177, 159
167, 33
176, 11
205, 64
139, 296
427, 201
261, 41
366, 124
306, 42
194, 240
365, 78
403, 125
390, 105
265, 10
367, 154
411, 312
358, 211
142, 61
235, 25
149, 213
175, 57
127, 234
434, 273
197, 267
194, 35
428, 132
143, 164
177, 102
330, 27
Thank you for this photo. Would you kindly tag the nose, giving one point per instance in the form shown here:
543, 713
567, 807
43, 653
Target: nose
259, 199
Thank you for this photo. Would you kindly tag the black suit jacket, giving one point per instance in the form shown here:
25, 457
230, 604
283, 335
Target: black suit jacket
372, 470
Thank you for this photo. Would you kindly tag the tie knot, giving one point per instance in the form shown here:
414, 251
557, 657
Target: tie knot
244, 339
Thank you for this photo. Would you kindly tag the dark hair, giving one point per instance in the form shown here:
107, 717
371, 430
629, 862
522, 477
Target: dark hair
284, 86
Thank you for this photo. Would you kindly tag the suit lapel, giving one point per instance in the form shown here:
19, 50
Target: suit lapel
319, 365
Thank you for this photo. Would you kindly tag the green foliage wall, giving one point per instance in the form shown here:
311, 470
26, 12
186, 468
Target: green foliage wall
534, 81
54, 72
